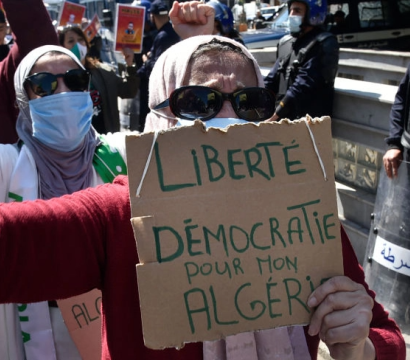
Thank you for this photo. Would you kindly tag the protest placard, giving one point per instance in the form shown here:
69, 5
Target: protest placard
234, 229
92, 28
71, 14
129, 27
82, 316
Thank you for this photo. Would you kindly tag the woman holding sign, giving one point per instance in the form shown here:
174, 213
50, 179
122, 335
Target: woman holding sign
85, 240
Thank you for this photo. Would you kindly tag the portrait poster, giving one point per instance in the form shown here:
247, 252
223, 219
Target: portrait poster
129, 27
234, 227
92, 29
71, 14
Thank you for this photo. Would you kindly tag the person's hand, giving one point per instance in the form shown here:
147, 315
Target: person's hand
192, 18
128, 55
342, 318
391, 161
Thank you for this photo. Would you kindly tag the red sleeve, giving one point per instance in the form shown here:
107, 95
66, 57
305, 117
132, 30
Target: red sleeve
32, 27
66, 246
384, 332
57, 248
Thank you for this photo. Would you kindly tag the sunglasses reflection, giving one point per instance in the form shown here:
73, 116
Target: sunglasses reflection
45, 83
193, 102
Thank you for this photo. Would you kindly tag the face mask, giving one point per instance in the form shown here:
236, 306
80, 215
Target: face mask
61, 121
80, 51
215, 122
295, 21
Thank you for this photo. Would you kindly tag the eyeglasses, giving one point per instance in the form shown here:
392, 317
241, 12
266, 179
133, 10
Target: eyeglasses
204, 103
45, 83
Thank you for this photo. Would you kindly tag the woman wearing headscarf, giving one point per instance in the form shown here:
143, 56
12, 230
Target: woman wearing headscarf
370, 332
106, 86
58, 153
213, 62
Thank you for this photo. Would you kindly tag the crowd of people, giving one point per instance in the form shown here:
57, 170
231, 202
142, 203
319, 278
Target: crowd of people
62, 147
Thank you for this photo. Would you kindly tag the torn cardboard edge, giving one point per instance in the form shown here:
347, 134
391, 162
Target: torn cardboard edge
285, 237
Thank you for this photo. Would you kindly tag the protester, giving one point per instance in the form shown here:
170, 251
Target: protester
59, 153
398, 141
304, 73
189, 65
106, 86
94, 233
28, 35
165, 38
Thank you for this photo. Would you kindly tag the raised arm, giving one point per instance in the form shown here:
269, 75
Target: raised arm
192, 18
32, 27
62, 247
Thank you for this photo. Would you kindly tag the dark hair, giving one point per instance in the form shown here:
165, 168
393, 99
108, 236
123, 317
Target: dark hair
2, 17
219, 46
90, 62
340, 13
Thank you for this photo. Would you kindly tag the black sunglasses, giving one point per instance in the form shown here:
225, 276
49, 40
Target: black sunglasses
204, 103
45, 83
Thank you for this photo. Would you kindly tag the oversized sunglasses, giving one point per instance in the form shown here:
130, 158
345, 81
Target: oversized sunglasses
204, 103
45, 83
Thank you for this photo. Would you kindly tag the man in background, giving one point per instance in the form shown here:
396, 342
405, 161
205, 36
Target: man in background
307, 60
165, 38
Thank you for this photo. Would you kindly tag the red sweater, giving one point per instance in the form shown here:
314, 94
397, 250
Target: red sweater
67, 246
32, 28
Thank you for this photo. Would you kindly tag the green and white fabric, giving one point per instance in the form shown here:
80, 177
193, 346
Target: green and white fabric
29, 326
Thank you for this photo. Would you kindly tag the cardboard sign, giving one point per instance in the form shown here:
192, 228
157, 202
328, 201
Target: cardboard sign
129, 27
82, 316
92, 29
234, 228
71, 14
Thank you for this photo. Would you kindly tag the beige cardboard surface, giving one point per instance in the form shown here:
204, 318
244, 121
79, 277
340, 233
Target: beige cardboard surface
234, 228
82, 315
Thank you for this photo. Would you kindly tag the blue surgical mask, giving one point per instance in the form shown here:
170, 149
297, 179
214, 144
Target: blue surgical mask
61, 121
215, 122
295, 21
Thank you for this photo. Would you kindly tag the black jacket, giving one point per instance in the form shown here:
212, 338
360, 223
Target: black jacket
165, 38
306, 87
399, 134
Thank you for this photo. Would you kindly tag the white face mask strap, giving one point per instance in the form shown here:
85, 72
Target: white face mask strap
316, 149
163, 115
147, 163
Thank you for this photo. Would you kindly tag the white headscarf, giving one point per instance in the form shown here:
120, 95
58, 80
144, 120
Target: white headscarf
286, 343
169, 71
60, 173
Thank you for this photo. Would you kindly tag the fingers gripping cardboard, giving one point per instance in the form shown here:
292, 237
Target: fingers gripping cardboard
234, 228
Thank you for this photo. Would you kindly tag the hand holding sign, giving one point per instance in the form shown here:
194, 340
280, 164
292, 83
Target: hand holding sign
342, 318
128, 55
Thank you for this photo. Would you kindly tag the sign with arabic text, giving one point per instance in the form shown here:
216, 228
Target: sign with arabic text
392, 256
